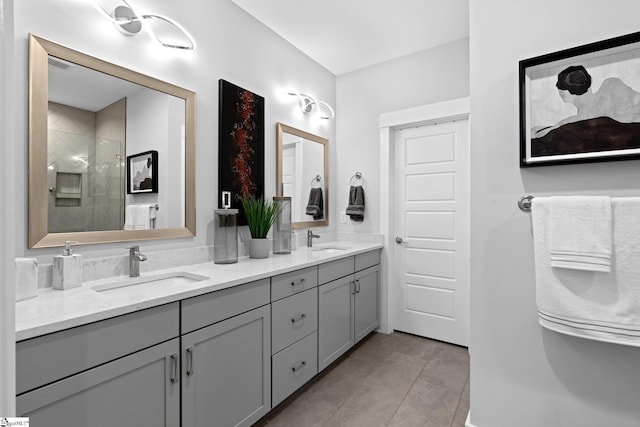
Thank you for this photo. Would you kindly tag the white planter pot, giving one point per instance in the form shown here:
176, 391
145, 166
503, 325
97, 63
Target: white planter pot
259, 248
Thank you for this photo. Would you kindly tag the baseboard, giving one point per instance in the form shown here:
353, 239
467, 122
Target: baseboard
467, 423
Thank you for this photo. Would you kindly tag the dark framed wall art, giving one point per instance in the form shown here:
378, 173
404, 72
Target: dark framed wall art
240, 146
142, 172
581, 104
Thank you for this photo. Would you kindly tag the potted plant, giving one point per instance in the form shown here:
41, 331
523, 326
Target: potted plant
261, 214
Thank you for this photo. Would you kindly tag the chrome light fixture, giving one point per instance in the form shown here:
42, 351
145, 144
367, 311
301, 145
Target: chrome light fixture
306, 103
164, 30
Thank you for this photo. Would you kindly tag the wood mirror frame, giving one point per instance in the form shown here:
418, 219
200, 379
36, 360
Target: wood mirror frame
280, 130
39, 236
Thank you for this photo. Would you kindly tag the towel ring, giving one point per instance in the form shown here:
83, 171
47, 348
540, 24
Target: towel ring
355, 176
317, 178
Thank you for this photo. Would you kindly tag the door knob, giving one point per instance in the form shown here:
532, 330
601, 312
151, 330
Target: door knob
400, 241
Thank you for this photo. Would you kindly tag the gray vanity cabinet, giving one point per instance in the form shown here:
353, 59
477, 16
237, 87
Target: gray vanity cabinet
348, 307
226, 366
294, 322
120, 371
226, 371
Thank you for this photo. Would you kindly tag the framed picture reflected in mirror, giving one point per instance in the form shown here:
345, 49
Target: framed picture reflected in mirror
142, 172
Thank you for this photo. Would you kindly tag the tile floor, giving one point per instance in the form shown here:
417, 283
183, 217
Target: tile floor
388, 380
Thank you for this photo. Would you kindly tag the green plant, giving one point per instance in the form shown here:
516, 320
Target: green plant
261, 214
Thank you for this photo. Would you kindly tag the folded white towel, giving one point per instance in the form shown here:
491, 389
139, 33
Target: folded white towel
26, 278
581, 232
587, 304
142, 217
130, 214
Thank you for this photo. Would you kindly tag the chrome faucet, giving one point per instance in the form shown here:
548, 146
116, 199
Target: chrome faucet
310, 237
134, 261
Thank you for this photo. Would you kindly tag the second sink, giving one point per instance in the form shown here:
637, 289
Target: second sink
173, 278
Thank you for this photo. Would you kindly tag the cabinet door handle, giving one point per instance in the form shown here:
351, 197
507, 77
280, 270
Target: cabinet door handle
298, 318
299, 282
353, 286
298, 366
357, 286
174, 368
189, 362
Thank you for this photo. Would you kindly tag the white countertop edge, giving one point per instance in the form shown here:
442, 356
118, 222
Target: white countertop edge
55, 310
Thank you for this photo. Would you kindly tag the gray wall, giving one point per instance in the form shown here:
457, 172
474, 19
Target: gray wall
522, 375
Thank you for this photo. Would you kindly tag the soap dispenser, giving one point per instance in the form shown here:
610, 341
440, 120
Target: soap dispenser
67, 269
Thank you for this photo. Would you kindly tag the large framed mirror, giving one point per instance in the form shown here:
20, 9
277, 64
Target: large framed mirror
302, 173
91, 124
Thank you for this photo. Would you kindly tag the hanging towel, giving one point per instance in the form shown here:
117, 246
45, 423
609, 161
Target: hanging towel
130, 214
143, 217
315, 205
139, 217
581, 232
355, 208
591, 304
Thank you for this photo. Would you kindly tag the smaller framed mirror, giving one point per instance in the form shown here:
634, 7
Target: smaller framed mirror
302, 173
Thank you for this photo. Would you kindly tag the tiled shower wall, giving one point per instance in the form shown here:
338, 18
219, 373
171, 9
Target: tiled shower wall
90, 144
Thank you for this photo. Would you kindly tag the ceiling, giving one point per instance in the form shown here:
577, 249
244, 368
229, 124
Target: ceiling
347, 35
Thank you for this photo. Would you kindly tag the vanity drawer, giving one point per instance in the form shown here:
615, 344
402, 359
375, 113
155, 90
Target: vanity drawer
48, 358
294, 282
293, 318
207, 309
367, 259
333, 270
293, 367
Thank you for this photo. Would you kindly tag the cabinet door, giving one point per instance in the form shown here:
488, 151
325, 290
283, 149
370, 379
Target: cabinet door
367, 312
138, 390
226, 370
335, 320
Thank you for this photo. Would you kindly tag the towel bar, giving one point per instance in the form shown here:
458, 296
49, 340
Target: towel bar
524, 203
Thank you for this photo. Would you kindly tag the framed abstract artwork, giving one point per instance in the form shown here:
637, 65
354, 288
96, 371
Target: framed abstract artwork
240, 146
581, 104
142, 173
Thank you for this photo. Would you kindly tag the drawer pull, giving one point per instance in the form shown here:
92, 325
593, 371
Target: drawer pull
298, 318
299, 282
174, 368
189, 362
357, 286
298, 366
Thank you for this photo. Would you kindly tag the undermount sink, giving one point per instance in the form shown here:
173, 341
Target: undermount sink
175, 278
329, 249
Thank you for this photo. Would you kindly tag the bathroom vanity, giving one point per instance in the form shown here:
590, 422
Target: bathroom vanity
220, 351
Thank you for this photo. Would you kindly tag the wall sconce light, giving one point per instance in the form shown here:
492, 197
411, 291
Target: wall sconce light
306, 104
164, 30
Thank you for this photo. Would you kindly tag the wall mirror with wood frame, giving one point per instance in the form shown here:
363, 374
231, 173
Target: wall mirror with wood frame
89, 122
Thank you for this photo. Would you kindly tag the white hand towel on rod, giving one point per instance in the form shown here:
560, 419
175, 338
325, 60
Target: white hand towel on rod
581, 232
130, 214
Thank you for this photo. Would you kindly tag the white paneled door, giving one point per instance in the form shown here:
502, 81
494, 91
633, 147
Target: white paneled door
431, 289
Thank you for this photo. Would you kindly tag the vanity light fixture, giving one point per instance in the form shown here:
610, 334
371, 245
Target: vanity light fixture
164, 30
307, 102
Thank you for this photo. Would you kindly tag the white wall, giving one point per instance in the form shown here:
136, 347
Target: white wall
7, 214
230, 45
427, 77
522, 375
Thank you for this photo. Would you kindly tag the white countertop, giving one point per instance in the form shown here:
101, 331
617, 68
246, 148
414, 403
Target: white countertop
54, 310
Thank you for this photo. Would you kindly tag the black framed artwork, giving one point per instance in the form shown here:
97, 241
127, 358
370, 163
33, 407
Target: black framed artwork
581, 104
142, 172
240, 146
